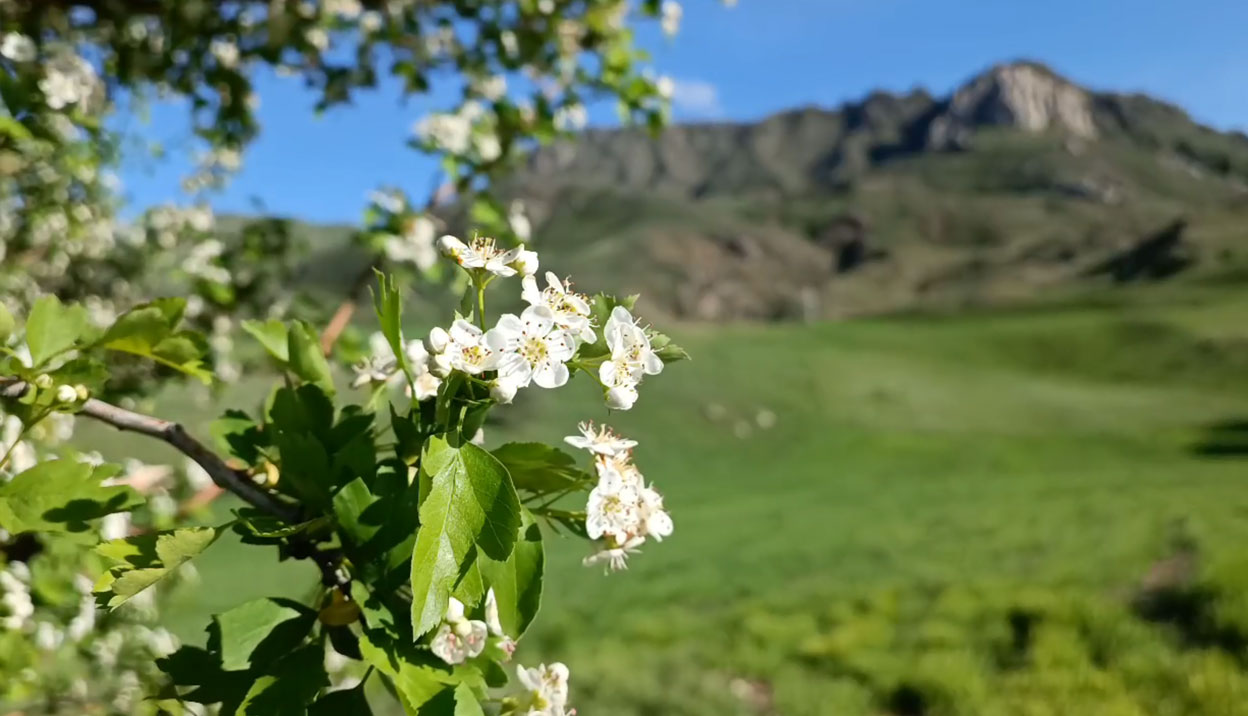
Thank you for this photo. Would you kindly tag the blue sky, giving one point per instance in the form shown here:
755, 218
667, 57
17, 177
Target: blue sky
760, 57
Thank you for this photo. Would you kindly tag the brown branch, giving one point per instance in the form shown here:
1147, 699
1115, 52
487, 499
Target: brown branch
226, 477
346, 309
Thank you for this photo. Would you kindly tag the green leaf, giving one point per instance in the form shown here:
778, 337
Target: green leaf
306, 359
305, 468
194, 666
259, 632
143, 560
52, 328
271, 334
466, 703
240, 436
416, 673
7, 324
471, 502
540, 468
667, 351
150, 331
517, 581
62, 496
292, 686
346, 702
389, 307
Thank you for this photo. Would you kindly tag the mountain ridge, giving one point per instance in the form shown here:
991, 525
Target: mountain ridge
1016, 184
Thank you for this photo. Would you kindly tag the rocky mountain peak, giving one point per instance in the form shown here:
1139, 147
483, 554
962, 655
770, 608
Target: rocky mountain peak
1022, 95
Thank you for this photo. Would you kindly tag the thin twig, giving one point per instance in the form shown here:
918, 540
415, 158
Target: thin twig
236, 481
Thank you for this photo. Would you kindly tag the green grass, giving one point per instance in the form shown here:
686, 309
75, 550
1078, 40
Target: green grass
930, 484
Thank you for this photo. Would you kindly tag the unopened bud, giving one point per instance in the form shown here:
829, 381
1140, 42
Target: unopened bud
43, 382
82, 391
66, 394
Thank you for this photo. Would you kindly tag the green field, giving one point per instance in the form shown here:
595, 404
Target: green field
949, 515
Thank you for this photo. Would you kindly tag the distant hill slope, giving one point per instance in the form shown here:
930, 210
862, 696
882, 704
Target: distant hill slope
1019, 185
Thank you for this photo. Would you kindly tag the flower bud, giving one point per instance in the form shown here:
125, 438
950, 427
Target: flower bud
450, 246
43, 382
438, 340
503, 391
526, 262
66, 394
82, 391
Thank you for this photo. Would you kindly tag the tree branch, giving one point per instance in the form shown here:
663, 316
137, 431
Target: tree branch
226, 477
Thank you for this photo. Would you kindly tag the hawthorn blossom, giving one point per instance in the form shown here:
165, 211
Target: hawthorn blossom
22, 455
372, 369
468, 350
459, 638
622, 510
631, 358
497, 636
615, 555
15, 601
68, 79
547, 690
571, 309
603, 441
613, 510
484, 253
671, 14
519, 221
531, 348
382, 366
415, 245
17, 47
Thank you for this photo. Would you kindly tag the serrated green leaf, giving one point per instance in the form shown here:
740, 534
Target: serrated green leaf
517, 580
345, 702
143, 560
272, 335
306, 359
240, 436
305, 468
62, 496
540, 468
292, 686
417, 674
471, 502
259, 632
389, 307
192, 666
150, 331
52, 328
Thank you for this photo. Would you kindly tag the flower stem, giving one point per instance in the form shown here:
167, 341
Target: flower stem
481, 304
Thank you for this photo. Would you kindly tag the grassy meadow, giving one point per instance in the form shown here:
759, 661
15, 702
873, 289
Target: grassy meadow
1032, 511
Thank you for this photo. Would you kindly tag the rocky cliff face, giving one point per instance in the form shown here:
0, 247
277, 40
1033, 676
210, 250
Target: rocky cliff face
1023, 96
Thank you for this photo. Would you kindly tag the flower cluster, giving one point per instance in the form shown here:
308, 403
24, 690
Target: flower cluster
623, 510
546, 692
459, 639
631, 359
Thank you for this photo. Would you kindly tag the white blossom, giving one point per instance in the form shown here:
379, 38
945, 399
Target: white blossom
225, 50
17, 47
115, 526
468, 351
670, 16
571, 309
415, 245
631, 358
68, 79
602, 441
547, 690
519, 221
615, 557
531, 348
66, 394
484, 253
458, 638
16, 606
